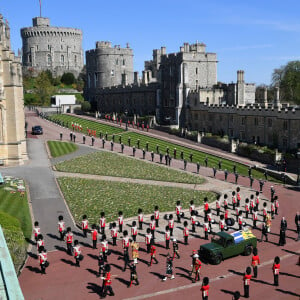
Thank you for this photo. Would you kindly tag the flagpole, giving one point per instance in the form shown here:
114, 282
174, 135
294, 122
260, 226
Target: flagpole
40, 8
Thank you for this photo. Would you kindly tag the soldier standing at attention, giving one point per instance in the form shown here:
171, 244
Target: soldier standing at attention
238, 197
61, 227
167, 237
122, 148
111, 146
83, 139
102, 223
185, 232
251, 181
93, 141
37, 230
69, 240
156, 215
206, 161
133, 151
218, 205
140, 218
252, 205
255, 262
178, 211
205, 288
120, 221
246, 279
107, 283
114, 233
147, 146
233, 200
133, 231
214, 171
43, 259
61, 136
276, 270
191, 157
152, 155
236, 174
198, 167
133, 275
103, 143
174, 153
148, 240
225, 174
94, 234
181, 155
152, 227
171, 224
184, 164
169, 268
157, 149
77, 253
206, 228
144, 153
193, 221
84, 225
247, 207
220, 165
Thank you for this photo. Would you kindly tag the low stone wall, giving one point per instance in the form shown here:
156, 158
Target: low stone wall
213, 142
266, 158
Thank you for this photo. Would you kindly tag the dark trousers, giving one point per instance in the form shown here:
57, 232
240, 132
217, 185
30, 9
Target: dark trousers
233, 206
186, 240
140, 225
114, 241
69, 248
101, 271
255, 272
238, 203
62, 235
176, 253
264, 234
43, 269
102, 230
94, 244
178, 218
107, 288
171, 231
204, 297
84, 232
153, 232
134, 238
156, 222
206, 235
151, 260
218, 211
247, 213
240, 226
126, 263
246, 291
77, 261
120, 228
193, 228
148, 248
276, 280
136, 282
254, 223
167, 244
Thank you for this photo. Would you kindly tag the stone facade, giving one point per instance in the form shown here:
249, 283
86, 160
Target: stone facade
51, 48
12, 119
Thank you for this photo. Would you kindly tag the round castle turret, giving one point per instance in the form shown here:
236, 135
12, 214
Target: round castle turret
56, 49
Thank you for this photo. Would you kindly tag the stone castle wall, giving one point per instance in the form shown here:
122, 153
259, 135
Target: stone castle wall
56, 49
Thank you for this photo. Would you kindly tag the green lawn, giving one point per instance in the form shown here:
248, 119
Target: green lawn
16, 223
90, 197
111, 164
198, 156
61, 148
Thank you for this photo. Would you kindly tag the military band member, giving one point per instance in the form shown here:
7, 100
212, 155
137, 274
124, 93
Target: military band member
233, 200
169, 268
125, 241
61, 227
152, 226
238, 197
84, 225
77, 253
205, 288
152, 255
103, 143
222, 223
107, 283
40, 242
133, 275
120, 221
126, 259
197, 268
225, 202
101, 264
147, 146
114, 233
240, 220
69, 240
175, 249
43, 259
134, 230
94, 234
247, 279
135, 251
167, 237
36, 230
140, 218
148, 240
156, 215
178, 211
255, 262
171, 224
185, 232
276, 270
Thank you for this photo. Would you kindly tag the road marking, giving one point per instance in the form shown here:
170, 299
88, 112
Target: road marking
200, 283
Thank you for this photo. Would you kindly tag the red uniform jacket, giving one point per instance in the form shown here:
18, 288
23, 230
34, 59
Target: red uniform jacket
255, 260
206, 206
134, 230
102, 222
69, 238
152, 225
61, 226
156, 214
85, 224
77, 251
171, 223
167, 235
125, 242
247, 279
36, 231
148, 238
107, 279
43, 257
114, 232
94, 234
185, 231
178, 209
140, 217
276, 268
204, 290
120, 220
193, 220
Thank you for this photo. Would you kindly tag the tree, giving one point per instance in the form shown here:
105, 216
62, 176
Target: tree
288, 79
44, 88
85, 106
68, 78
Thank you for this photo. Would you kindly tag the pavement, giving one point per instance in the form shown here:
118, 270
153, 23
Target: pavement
65, 281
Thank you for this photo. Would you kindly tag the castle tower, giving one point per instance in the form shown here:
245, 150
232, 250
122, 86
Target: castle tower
51, 48
12, 119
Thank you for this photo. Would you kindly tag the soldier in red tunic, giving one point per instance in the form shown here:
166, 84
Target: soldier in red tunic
206, 206
246, 279
140, 218
185, 232
43, 259
225, 202
148, 240
197, 264
69, 240
193, 221
247, 207
77, 253
167, 237
205, 288
36, 230
178, 211
171, 224
107, 283
255, 262
134, 231
276, 270
218, 205
255, 217
102, 223
238, 197
156, 215
152, 227
40, 242
114, 233
94, 234
84, 225
153, 255
125, 241
233, 200
222, 223
104, 247
120, 221
61, 227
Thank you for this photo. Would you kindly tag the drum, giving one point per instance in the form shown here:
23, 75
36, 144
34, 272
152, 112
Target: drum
230, 222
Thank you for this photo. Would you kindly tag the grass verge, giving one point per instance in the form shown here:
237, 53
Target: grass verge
111, 164
90, 197
61, 148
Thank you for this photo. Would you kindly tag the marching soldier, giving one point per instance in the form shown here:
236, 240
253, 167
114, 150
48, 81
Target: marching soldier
114, 233
257, 200
238, 197
126, 259
101, 263
240, 220
169, 268
122, 148
111, 146
167, 237
198, 167
43, 259
206, 206
225, 202
107, 283
133, 275
255, 217
252, 204
40, 242
220, 165
233, 200
93, 141
61, 227
265, 211
171, 224
175, 249
206, 228
276, 270
152, 227
206, 161
264, 232
209, 218
246, 279
140, 218
152, 155
84, 225
251, 181
178, 211
133, 231
156, 215
144, 153
148, 240
197, 268
205, 288
160, 157
135, 251
120, 221
236, 175
103, 143
174, 153
147, 146
69, 240
181, 155
184, 164
276, 205
191, 157
222, 223
36, 230
225, 174
120, 139
133, 151
247, 207
125, 241
153, 256
214, 172
255, 262
193, 221
157, 149
185, 232
102, 223
77, 253
94, 234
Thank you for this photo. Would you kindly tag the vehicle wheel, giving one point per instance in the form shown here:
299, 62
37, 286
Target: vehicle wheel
218, 259
248, 251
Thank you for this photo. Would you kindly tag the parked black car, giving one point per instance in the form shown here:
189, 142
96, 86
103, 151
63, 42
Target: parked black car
37, 129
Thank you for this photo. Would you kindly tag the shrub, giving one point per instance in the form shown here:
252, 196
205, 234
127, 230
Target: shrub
86, 106
68, 78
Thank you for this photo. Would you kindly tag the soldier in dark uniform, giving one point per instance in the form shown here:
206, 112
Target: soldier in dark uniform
111, 145
160, 157
247, 278
249, 171
167, 150
129, 141
181, 155
71, 136
198, 167
61, 136
191, 157
166, 159
264, 232
226, 174
266, 174
236, 174
234, 168
220, 165
138, 143
174, 153
103, 142
113, 138
133, 151
184, 164
152, 155
144, 153
133, 275
169, 160
157, 149
214, 171
74, 137
147, 146
126, 259
100, 135
83, 139
261, 184
297, 223
93, 141
251, 181
120, 139
206, 161
272, 192
106, 135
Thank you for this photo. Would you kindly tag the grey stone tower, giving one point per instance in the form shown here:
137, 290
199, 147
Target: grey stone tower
56, 49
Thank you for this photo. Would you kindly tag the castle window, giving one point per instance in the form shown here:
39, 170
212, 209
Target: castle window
117, 61
61, 47
196, 70
112, 73
95, 79
207, 100
75, 60
37, 47
62, 60
48, 47
49, 60
243, 120
124, 62
29, 58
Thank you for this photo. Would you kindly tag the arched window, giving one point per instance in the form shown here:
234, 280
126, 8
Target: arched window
49, 60
75, 60
62, 60
29, 58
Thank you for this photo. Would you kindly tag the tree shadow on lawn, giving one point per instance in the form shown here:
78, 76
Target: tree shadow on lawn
54, 236
94, 288
160, 276
92, 271
124, 281
69, 262
34, 269
288, 292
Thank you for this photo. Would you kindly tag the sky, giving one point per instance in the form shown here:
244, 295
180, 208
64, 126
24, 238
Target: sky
256, 36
